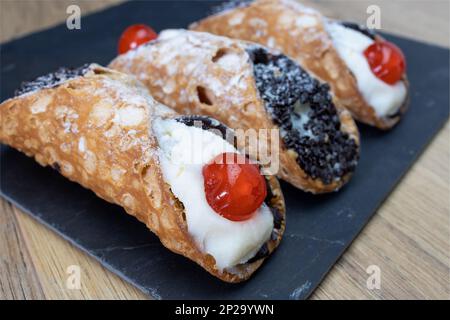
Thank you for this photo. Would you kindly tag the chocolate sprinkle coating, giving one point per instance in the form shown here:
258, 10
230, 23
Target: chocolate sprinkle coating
360, 28
324, 151
262, 253
52, 79
207, 123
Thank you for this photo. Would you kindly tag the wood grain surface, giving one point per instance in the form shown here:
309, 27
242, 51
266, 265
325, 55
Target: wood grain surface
408, 239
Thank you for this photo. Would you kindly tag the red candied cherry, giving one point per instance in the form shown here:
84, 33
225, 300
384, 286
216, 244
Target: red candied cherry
386, 61
234, 187
134, 36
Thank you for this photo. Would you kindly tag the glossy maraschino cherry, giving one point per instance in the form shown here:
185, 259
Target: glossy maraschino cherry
134, 36
386, 61
234, 187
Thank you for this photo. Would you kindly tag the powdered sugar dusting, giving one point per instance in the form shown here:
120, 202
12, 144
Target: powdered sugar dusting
284, 25
132, 96
296, 5
194, 52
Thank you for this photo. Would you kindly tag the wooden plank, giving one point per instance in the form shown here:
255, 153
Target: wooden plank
51, 258
18, 278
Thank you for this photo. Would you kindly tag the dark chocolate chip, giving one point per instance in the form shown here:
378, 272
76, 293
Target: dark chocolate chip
396, 114
270, 195
262, 253
277, 218
56, 166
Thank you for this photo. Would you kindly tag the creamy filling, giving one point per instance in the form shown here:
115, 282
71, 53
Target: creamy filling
300, 117
384, 98
184, 150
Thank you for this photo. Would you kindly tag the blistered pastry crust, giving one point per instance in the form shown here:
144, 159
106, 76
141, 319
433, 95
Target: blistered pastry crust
299, 32
96, 130
192, 73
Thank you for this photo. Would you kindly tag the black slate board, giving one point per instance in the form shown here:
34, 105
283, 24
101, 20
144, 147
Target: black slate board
319, 228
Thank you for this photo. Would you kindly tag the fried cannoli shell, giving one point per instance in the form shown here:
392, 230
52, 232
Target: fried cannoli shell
300, 33
96, 130
225, 91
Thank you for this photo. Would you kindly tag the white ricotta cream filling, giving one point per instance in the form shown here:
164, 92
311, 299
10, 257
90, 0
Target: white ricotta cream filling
384, 98
184, 150
300, 117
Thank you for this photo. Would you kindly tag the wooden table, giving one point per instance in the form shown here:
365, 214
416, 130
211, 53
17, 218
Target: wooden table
409, 237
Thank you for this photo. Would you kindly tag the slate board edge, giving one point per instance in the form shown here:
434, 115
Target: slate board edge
104, 263
154, 295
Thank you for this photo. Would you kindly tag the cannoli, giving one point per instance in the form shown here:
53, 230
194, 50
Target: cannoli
335, 52
102, 129
249, 87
